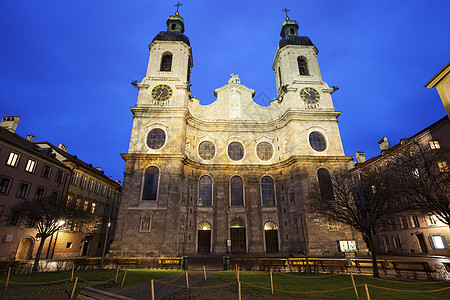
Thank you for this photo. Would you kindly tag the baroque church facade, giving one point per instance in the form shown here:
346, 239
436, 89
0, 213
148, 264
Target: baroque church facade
231, 176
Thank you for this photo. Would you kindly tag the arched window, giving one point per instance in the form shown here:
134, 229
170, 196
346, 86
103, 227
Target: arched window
205, 191
292, 31
267, 191
145, 222
150, 184
325, 185
302, 66
237, 223
237, 191
174, 26
279, 77
166, 62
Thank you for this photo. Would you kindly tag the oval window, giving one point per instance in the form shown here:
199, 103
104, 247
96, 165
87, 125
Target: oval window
264, 150
156, 138
235, 151
206, 150
317, 141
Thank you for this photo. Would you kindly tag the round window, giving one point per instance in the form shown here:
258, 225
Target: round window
235, 151
206, 150
264, 150
317, 141
156, 138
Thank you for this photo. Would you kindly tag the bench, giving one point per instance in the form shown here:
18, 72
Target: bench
93, 294
170, 263
333, 264
86, 263
274, 264
127, 263
412, 266
300, 264
367, 264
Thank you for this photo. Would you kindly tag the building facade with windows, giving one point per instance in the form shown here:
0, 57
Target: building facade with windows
93, 192
408, 231
26, 171
231, 176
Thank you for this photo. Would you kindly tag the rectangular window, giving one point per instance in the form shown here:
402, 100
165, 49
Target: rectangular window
397, 243
83, 182
46, 171
432, 220
40, 192
105, 213
55, 195
13, 159
90, 184
31, 166
97, 187
393, 225
93, 204
443, 166
438, 242
59, 176
74, 178
23, 190
415, 221
69, 245
5, 185
103, 190
14, 218
86, 205
78, 203
69, 200
404, 222
434, 145
100, 209
109, 193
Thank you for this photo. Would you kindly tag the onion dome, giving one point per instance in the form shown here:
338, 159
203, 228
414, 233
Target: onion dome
289, 34
175, 31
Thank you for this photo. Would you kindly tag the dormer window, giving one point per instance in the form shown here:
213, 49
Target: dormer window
166, 62
302, 66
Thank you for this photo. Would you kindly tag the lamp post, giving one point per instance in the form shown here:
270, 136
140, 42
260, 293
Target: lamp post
104, 244
60, 224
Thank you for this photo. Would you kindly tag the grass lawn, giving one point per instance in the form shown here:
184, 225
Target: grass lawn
301, 282
134, 276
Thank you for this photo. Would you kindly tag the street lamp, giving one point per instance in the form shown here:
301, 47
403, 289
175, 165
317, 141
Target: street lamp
60, 224
106, 240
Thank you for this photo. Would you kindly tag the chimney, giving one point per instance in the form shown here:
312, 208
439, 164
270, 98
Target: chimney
99, 168
360, 157
350, 164
383, 143
62, 147
10, 123
30, 137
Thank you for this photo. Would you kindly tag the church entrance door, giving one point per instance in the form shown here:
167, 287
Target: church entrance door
271, 235
204, 237
237, 240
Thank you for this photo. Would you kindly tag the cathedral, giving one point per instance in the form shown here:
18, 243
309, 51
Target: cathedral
231, 176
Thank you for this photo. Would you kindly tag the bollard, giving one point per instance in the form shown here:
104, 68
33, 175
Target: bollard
204, 272
117, 274
124, 275
74, 287
187, 279
238, 270
271, 282
354, 286
226, 263
73, 269
184, 263
367, 292
153, 290
7, 278
239, 287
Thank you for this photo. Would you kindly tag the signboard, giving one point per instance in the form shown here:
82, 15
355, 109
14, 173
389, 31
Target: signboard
347, 246
228, 243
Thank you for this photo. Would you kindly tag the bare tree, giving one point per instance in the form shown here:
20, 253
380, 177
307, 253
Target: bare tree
422, 176
358, 200
49, 214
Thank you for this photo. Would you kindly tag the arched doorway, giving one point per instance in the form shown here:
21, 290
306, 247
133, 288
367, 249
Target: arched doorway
204, 237
271, 234
25, 249
237, 235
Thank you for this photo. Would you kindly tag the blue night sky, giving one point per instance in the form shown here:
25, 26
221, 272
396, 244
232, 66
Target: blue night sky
66, 66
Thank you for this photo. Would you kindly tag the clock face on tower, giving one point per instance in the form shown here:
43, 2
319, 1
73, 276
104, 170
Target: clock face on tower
162, 92
309, 95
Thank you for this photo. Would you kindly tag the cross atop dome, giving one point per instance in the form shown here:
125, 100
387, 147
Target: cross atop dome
178, 6
286, 11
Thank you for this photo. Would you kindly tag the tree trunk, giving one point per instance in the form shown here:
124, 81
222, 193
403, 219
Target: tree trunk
38, 254
374, 257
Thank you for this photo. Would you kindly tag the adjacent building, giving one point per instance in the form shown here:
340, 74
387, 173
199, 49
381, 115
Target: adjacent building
231, 176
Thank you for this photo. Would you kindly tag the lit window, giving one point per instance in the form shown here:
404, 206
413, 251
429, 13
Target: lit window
46, 171
267, 191
5, 184
374, 189
416, 173
31, 166
434, 145
93, 204
443, 166
438, 242
74, 178
86, 205
13, 159
83, 182
237, 191
90, 184
432, 220
22, 192
205, 191
415, 221
78, 203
